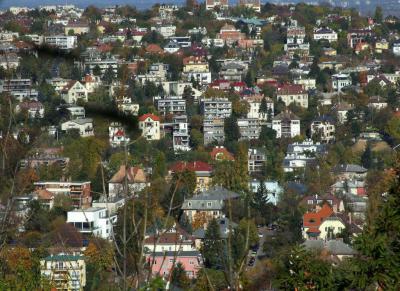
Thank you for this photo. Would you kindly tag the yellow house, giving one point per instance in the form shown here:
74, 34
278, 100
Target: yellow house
195, 64
64, 271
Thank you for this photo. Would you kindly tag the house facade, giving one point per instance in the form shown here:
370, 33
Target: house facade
150, 126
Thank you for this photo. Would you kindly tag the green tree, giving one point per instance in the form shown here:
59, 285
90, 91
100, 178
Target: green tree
378, 16
366, 158
231, 129
379, 261
179, 277
393, 129
213, 247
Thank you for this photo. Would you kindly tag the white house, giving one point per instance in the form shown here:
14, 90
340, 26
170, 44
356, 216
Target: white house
63, 42
84, 125
92, 221
330, 227
293, 94
150, 126
117, 136
74, 91
339, 81
396, 49
325, 33
286, 125
323, 127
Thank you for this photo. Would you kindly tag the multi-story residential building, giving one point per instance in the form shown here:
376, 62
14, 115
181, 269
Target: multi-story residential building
325, 33
9, 61
202, 170
307, 83
233, 71
157, 73
307, 146
324, 128
175, 105
340, 81
286, 125
216, 108
249, 128
63, 42
165, 30
296, 161
34, 109
295, 34
213, 130
254, 101
172, 240
103, 63
19, 88
222, 4
64, 271
94, 221
44, 159
117, 136
126, 105
396, 49
75, 111
150, 126
84, 125
58, 83
79, 192
196, 68
230, 35
76, 27
293, 94
136, 180
256, 161
377, 102
273, 189
208, 203
381, 46
356, 36
180, 134
74, 91
251, 4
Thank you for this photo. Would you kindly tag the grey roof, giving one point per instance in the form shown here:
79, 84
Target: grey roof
82, 121
216, 195
352, 168
335, 247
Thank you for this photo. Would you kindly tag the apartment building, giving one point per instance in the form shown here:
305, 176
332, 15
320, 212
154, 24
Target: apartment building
79, 192
62, 42
175, 105
213, 130
340, 81
64, 271
249, 128
323, 128
216, 108
293, 94
325, 33
286, 125
221, 4
19, 88
196, 68
180, 134
256, 161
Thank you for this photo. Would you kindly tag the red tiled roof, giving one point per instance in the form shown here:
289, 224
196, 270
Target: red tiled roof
291, 89
154, 48
44, 194
119, 133
152, 116
238, 84
196, 166
314, 219
221, 153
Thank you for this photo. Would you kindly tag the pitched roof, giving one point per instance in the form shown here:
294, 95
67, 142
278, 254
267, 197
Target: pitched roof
286, 115
221, 153
154, 48
314, 219
147, 115
291, 89
44, 194
133, 175
196, 166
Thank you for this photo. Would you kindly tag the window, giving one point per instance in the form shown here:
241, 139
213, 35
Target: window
171, 260
208, 204
191, 262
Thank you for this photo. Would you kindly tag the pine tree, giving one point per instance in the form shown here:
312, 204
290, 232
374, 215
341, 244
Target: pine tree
213, 246
231, 129
366, 158
179, 277
378, 262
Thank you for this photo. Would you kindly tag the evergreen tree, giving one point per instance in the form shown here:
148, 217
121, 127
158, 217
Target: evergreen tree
378, 16
231, 129
378, 263
366, 158
263, 107
109, 75
179, 277
213, 247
